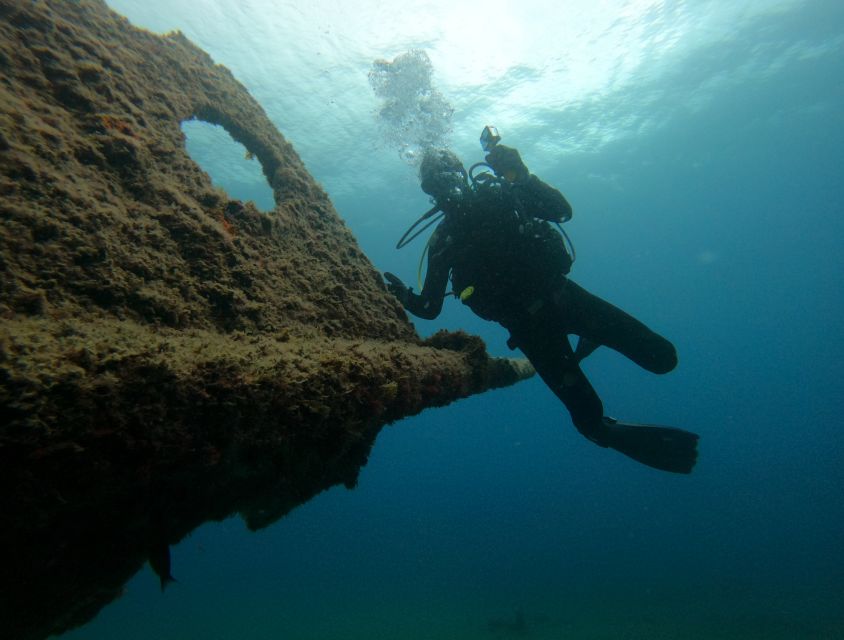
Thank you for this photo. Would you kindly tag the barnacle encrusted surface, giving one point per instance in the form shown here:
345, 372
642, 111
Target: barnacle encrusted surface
168, 354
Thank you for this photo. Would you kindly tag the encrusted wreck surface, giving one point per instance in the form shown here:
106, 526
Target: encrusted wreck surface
169, 355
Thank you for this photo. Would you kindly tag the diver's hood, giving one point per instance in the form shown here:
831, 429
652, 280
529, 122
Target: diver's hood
448, 189
442, 175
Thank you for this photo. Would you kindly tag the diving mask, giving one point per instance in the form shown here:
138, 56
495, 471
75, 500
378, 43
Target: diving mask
446, 186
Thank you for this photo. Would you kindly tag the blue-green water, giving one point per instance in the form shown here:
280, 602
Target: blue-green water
701, 150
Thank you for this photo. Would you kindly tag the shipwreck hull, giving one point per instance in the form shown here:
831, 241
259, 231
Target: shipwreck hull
169, 355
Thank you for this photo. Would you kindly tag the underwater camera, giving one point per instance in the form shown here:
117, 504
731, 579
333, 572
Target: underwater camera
489, 138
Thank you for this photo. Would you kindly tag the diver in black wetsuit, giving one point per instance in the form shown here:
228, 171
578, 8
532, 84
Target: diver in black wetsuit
509, 265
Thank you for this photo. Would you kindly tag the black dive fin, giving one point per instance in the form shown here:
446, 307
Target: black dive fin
664, 448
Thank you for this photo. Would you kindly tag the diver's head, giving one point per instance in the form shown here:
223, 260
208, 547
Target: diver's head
443, 177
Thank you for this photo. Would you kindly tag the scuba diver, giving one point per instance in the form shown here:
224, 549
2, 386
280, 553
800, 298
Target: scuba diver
506, 262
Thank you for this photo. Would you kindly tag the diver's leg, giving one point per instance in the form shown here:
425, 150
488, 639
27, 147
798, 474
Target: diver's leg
551, 355
601, 322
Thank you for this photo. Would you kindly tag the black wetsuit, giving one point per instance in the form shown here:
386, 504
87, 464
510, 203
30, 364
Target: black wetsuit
508, 264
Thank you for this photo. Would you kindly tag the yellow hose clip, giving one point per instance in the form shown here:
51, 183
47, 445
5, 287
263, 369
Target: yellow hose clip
466, 293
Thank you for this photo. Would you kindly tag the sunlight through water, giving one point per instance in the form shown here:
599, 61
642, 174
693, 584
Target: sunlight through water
607, 66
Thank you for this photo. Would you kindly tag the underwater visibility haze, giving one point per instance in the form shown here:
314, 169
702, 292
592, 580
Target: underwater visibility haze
699, 144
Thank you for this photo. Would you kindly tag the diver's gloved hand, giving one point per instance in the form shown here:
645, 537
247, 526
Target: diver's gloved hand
507, 164
397, 288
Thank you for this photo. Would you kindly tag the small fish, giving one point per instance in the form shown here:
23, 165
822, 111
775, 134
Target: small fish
159, 561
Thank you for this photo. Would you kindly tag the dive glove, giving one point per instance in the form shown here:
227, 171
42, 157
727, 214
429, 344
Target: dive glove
397, 288
507, 164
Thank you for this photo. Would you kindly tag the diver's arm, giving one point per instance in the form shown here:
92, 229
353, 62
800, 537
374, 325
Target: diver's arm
429, 302
541, 200
536, 198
